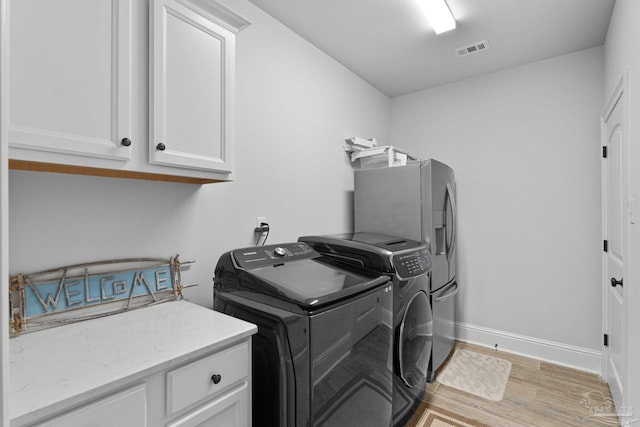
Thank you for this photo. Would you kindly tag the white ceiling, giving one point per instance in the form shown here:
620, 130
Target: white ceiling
390, 45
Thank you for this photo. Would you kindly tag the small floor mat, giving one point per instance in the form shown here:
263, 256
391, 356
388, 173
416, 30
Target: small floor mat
437, 417
476, 373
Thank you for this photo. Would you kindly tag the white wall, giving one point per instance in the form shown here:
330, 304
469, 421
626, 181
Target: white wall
524, 143
295, 106
621, 53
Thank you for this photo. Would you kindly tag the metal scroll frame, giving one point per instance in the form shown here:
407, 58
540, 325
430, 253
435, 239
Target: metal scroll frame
20, 322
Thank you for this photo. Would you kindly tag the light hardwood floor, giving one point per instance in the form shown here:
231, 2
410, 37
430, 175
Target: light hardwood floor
538, 394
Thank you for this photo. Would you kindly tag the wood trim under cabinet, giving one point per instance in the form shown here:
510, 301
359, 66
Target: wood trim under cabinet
110, 173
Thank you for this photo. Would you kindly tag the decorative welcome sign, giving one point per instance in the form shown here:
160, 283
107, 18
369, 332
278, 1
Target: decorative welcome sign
86, 291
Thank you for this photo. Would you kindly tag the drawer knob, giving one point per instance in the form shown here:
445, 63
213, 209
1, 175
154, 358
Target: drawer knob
161, 147
126, 142
216, 378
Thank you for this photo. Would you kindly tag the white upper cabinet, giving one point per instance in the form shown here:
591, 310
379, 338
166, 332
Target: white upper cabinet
124, 88
70, 77
192, 89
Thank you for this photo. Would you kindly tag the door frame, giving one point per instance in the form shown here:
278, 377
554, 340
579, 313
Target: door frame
619, 94
4, 212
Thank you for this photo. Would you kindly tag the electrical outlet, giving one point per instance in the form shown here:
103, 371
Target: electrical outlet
260, 220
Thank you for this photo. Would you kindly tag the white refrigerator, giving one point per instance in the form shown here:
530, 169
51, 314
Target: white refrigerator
418, 202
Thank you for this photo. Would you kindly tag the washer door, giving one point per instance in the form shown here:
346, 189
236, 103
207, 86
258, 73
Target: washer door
416, 339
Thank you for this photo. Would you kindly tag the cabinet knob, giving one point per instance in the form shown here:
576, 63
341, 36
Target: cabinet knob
615, 282
126, 142
161, 146
216, 378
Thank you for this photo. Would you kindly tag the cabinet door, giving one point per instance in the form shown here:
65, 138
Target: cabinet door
230, 410
125, 409
192, 80
70, 77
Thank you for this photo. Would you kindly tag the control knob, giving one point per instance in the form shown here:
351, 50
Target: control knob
279, 252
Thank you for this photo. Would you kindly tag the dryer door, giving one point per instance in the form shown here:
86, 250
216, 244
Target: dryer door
416, 339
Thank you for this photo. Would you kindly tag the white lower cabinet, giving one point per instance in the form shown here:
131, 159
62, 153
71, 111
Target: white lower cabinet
208, 391
123, 409
170, 364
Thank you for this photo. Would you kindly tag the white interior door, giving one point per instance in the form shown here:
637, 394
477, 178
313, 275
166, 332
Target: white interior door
615, 176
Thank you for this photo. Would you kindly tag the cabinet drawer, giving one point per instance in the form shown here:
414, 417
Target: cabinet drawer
195, 381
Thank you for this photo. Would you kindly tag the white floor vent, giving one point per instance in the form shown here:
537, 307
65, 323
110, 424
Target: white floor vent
473, 48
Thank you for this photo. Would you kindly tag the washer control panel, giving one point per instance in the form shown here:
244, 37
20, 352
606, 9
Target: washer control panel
413, 264
263, 256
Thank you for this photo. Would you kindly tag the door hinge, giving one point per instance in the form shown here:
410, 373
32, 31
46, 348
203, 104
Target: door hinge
606, 340
604, 152
605, 245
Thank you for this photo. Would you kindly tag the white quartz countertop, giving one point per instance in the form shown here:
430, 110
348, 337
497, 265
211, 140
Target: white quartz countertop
71, 363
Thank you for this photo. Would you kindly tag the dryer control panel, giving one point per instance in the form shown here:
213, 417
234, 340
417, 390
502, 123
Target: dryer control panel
264, 256
413, 264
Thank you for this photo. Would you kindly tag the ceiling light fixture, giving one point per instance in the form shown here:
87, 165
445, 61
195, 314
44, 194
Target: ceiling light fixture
438, 15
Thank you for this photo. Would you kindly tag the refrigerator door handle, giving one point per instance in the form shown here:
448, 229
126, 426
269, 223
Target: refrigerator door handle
450, 294
451, 245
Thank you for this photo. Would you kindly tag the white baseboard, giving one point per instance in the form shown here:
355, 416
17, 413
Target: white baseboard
584, 359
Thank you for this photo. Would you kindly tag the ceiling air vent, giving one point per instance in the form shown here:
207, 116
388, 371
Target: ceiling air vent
473, 48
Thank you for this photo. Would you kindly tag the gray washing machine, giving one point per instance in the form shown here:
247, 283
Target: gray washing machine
408, 264
323, 352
